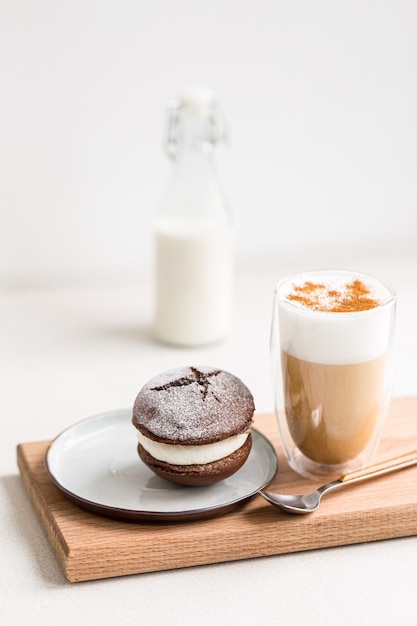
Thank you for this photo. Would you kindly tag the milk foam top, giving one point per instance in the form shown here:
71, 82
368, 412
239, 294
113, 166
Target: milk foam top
320, 331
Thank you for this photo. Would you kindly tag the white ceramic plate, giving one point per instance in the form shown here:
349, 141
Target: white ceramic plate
96, 465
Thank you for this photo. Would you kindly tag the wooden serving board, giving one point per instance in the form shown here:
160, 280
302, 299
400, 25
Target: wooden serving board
90, 547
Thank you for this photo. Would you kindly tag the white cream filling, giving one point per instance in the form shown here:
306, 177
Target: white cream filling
178, 454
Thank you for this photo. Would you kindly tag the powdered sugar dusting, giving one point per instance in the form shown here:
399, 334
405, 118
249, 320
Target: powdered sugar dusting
193, 405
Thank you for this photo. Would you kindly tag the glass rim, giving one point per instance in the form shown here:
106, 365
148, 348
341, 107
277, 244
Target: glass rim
392, 295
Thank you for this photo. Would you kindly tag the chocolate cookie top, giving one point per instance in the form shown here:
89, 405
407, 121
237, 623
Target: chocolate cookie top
192, 406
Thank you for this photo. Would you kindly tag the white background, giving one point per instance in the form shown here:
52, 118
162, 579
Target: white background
321, 98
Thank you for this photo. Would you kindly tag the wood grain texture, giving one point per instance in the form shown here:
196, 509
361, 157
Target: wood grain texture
91, 547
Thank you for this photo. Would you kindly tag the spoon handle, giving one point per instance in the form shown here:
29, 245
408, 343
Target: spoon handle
385, 467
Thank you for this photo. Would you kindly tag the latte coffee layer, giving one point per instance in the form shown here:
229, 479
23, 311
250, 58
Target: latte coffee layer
331, 409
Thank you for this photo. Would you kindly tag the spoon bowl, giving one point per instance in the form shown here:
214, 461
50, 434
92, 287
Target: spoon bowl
306, 503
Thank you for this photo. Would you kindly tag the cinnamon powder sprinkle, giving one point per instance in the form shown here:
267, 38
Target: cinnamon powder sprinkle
355, 296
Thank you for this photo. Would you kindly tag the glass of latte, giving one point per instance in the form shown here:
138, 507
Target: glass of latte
332, 366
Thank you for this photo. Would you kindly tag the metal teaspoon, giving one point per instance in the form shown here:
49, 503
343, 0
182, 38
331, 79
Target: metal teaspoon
309, 502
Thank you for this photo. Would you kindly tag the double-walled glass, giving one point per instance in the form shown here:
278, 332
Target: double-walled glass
332, 369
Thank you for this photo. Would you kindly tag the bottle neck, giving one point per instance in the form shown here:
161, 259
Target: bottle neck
188, 131
195, 160
195, 189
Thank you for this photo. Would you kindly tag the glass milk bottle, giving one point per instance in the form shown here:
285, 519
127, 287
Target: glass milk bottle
193, 232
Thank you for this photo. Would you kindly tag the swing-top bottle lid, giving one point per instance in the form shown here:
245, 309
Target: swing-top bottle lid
197, 99
195, 113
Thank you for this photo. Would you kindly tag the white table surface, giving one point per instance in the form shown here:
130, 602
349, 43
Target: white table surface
72, 351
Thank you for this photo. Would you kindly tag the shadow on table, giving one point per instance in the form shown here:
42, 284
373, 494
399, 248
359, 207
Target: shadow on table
123, 335
128, 334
